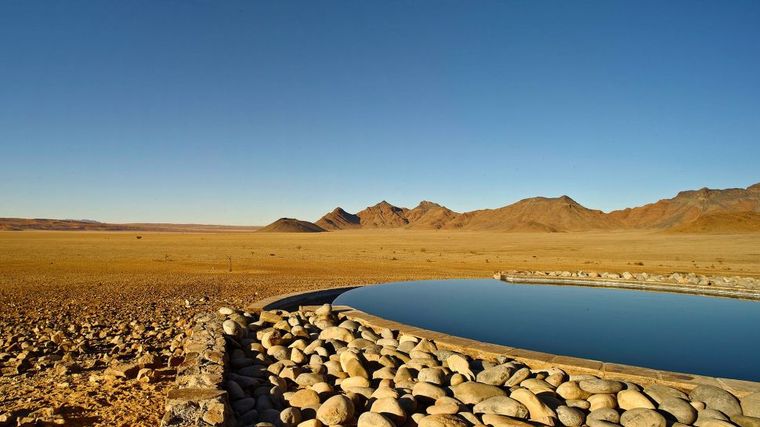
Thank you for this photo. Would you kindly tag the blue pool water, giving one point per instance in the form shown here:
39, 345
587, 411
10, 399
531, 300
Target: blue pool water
674, 332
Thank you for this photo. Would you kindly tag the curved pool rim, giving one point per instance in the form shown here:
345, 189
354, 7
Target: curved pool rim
488, 351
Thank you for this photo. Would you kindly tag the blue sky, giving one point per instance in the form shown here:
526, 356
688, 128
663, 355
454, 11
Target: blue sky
243, 112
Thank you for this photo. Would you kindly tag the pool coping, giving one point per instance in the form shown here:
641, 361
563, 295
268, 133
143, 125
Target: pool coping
712, 291
489, 351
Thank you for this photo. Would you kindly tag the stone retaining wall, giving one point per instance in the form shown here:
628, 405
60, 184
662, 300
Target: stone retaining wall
532, 358
717, 286
325, 365
199, 398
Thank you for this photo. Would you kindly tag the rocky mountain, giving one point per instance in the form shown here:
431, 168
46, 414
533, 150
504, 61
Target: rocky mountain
292, 225
724, 222
695, 211
690, 206
383, 215
550, 214
339, 219
703, 210
429, 215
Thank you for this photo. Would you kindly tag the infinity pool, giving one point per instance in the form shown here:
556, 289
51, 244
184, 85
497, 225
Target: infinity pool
675, 332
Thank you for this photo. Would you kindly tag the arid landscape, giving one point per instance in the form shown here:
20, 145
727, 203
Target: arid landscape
112, 294
125, 297
193, 196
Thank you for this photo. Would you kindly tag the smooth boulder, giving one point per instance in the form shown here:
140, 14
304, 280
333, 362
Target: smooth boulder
717, 398
570, 417
371, 419
336, 410
600, 386
501, 405
642, 418
442, 420
681, 410
471, 393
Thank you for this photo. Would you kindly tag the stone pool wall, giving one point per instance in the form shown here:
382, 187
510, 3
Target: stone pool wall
339, 366
719, 286
334, 366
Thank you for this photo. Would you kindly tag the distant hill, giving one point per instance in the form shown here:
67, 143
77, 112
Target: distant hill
689, 206
292, 225
724, 222
697, 211
693, 211
551, 214
339, 219
429, 215
383, 215
20, 224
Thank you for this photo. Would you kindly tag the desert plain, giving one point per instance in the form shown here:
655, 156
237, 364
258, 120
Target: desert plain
118, 296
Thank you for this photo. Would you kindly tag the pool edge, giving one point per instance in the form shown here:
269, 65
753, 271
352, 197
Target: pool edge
718, 292
534, 359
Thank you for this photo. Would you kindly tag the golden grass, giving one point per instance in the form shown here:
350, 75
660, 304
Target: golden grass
362, 255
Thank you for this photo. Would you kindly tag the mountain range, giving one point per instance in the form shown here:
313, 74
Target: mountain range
732, 210
703, 210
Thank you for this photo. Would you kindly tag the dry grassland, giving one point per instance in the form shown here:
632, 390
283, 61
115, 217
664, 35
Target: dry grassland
362, 255
57, 280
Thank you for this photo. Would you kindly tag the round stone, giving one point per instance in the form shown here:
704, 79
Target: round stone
659, 392
324, 310
570, 417
604, 414
389, 407
497, 375
598, 401
641, 417
501, 405
600, 423
429, 391
600, 386
680, 409
538, 410
226, 311
442, 420
444, 405
632, 399
519, 376
290, 417
336, 333
336, 410
717, 398
371, 419
495, 420
231, 328
580, 404
571, 391
471, 393
432, 375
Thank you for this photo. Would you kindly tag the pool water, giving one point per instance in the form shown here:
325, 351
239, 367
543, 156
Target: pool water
669, 331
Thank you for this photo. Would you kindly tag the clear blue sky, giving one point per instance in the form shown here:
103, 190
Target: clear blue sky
242, 112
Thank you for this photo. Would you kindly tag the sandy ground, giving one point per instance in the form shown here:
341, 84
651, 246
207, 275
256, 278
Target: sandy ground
124, 297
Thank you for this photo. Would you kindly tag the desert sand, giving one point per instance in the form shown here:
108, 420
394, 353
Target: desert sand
123, 296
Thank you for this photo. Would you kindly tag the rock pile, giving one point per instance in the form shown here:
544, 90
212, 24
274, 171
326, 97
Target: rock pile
199, 398
316, 367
